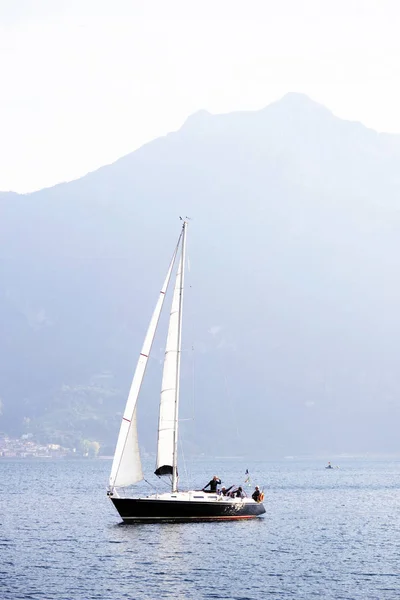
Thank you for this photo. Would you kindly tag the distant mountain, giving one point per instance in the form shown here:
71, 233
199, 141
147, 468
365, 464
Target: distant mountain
292, 305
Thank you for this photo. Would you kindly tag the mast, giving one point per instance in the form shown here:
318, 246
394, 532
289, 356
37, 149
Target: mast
167, 444
174, 486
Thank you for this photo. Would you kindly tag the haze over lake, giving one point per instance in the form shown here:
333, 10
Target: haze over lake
291, 324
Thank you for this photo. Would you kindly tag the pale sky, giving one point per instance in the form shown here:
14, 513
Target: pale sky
84, 82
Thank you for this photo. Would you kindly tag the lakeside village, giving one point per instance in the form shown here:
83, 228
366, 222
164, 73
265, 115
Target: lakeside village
26, 447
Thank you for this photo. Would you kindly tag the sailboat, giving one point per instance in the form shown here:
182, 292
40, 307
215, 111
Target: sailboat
174, 505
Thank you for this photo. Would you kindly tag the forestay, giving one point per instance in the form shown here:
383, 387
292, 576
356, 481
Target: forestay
127, 467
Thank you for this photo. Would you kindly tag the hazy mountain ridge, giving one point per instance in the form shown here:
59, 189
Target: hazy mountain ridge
294, 252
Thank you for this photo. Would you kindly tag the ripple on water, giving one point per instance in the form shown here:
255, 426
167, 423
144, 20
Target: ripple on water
328, 536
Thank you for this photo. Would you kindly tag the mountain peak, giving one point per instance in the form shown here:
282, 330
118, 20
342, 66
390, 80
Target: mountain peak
295, 101
292, 103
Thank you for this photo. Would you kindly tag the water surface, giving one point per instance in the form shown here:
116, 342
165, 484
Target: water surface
326, 534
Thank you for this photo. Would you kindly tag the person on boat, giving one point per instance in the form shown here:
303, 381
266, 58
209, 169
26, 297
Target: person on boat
240, 493
256, 494
215, 481
225, 491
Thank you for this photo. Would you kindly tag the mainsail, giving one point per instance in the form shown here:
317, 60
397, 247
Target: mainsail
169, 401
127, 467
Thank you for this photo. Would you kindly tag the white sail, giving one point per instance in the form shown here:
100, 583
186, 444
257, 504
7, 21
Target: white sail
127, 467
169, 401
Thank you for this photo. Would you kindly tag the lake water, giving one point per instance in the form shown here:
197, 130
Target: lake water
326, 534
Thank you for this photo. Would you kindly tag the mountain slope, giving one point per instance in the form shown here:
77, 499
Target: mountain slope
293, 304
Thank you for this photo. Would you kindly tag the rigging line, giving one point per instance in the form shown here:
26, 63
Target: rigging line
150, 484
184, 461
164, 482
191, 319
193, 383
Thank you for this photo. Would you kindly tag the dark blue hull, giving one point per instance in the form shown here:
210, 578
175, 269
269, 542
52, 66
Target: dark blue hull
139, 510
